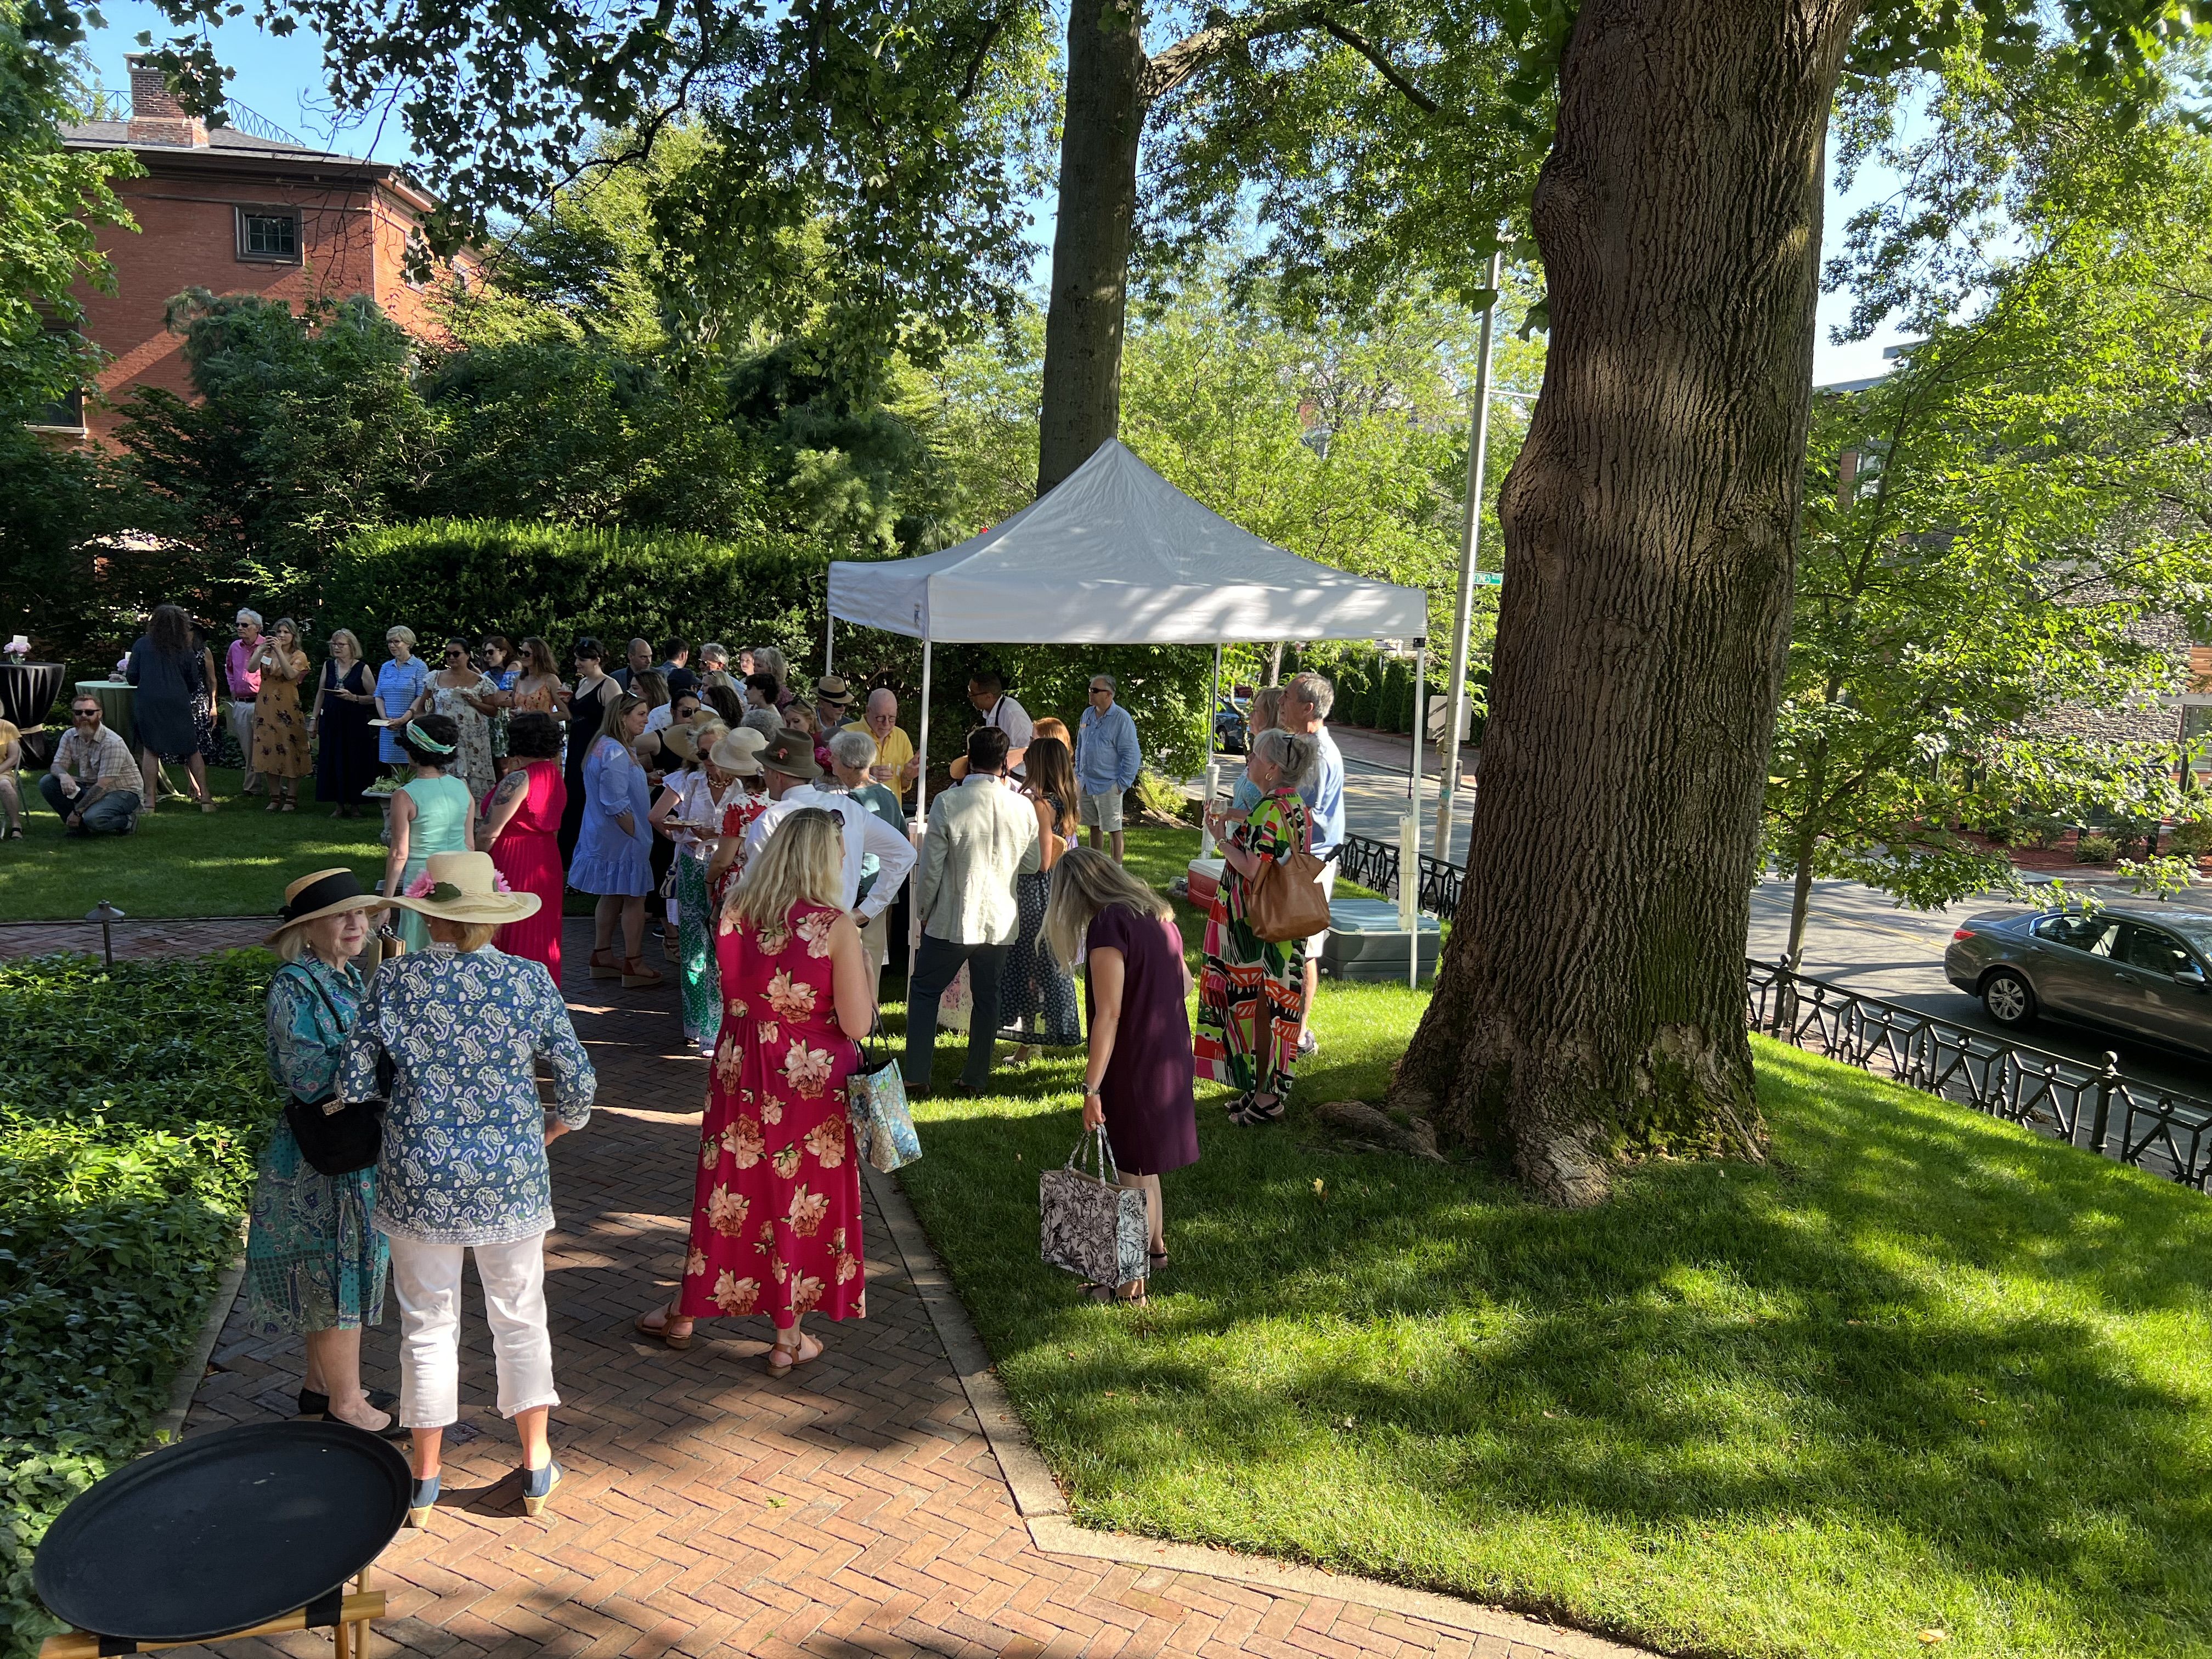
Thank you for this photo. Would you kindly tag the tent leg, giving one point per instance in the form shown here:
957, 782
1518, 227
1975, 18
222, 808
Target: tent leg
1410, 869
828, 645
920, 816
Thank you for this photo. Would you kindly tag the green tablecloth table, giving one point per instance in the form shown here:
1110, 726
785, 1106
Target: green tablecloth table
116, 699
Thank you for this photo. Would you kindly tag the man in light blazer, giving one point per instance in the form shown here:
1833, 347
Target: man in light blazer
982, 835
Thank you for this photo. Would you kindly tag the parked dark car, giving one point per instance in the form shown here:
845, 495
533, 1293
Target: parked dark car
2129, 968
1230, 735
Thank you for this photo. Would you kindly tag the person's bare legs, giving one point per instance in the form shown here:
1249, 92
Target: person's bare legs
1094, 837
429, 1443
149, 772
1313, 989
334, 1369
11, 802
530, 1427
604, 916
1119, 849
633, 923
196, 766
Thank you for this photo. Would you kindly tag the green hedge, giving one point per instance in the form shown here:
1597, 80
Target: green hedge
465, 577
132, 1102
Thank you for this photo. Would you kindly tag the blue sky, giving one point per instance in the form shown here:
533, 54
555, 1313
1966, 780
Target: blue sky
283, 80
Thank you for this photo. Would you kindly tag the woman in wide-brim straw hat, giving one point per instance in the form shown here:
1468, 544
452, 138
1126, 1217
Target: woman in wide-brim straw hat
739, 754
465, 1165
315, 1264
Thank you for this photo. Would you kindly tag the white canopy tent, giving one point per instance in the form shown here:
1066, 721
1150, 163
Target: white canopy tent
1115, 555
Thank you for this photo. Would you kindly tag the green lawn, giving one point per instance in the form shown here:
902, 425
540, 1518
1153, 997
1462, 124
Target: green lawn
1927, 1373
181, 861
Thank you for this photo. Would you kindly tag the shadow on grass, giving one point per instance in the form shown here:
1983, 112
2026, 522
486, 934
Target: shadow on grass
1925, 1368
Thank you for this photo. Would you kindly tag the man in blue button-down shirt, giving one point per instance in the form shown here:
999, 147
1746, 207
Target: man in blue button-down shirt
1106, 761
1306, 703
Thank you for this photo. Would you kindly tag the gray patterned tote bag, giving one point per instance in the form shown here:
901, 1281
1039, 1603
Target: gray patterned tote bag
1092, 1226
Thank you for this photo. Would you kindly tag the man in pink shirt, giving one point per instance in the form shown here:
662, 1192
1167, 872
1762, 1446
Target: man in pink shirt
244, 688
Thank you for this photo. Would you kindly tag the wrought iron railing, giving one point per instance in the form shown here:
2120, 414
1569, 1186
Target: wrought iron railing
106, 105
2161, 1130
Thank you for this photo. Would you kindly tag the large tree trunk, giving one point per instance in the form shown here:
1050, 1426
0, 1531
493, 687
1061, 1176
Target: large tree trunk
1105, 119
1591, 1005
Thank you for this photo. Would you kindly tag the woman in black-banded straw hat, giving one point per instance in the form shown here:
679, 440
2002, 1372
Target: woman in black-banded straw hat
315, 1263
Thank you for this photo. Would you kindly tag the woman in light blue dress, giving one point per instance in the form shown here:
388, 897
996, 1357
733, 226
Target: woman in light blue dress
614, 853
315, 1263
399, 683
433, 813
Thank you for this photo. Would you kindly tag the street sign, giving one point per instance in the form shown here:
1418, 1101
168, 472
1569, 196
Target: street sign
1489, 578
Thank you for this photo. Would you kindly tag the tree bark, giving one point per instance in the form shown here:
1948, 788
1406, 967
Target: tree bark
1090, 238
1591, 1003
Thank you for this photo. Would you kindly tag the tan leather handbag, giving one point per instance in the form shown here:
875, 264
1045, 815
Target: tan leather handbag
1285, 901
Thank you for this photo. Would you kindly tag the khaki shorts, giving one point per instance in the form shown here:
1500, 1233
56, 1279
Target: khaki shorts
1102, 810
1327, 882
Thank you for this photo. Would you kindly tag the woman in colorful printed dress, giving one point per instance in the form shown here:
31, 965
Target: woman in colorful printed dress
1251, 993
314, 1260
695, 814
281, 750
433, 814
522, 827
464, 1166
776, 1222
467, 698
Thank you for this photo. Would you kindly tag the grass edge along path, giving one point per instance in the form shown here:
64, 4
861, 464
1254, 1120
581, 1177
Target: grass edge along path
1926, 1381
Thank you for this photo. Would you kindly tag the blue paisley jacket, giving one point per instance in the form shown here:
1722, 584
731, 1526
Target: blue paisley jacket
463, 1159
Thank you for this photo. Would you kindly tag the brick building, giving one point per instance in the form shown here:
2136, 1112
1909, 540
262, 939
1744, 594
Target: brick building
234, 212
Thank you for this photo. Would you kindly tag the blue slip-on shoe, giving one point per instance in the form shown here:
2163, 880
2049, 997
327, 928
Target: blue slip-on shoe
538, 1487
421, 1501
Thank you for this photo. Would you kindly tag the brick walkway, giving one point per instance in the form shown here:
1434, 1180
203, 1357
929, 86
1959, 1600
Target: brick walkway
855, 1509
196, 937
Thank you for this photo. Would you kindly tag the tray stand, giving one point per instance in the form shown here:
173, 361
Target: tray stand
348, 1614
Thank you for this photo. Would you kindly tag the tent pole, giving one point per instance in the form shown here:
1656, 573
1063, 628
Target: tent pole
828, 645
1212, 757
1478, 455
1410, 869
921, 813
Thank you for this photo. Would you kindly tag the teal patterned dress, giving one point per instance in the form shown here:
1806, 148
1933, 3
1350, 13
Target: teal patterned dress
314, 1260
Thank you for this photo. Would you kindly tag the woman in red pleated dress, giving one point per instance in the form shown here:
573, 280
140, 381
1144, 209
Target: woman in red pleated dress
522, 826
775, 1220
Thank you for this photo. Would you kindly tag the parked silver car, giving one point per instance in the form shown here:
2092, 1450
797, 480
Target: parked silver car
2143, 971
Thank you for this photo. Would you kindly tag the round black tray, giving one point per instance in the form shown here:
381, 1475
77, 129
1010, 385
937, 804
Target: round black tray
224, 1531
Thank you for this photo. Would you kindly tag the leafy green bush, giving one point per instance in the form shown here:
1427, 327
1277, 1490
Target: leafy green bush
132, 1102
461, 577
2095, 849
2192, 840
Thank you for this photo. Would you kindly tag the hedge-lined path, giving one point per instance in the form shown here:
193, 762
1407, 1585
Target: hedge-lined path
197, 936
854, 1508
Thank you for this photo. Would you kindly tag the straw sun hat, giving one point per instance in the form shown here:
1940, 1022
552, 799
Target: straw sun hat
326, 893
739, 752
465, 887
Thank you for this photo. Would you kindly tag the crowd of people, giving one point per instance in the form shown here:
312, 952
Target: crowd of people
763, 828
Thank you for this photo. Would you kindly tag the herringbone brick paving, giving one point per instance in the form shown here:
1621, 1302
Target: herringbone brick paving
853, 1508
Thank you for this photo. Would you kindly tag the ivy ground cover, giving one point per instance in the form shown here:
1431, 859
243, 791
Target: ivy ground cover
1927, 1383
132, 1101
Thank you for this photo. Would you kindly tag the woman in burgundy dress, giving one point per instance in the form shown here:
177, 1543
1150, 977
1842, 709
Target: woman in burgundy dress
1138, 1079
522, 827
775, 1219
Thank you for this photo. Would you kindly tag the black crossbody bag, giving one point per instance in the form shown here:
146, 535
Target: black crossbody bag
338, 1137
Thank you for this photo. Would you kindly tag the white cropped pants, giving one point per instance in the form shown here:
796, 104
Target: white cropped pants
428, 1279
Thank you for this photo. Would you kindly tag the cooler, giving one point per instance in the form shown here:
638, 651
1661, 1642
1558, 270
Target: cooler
1205, 881
1365, 941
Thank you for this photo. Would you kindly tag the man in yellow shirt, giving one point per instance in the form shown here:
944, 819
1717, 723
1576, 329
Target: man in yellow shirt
895, 764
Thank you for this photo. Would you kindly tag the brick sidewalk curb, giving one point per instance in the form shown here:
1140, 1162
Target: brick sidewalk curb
186, 1383
1044, 1510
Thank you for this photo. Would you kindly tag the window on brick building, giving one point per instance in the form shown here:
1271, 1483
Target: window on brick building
63, 415
272, 233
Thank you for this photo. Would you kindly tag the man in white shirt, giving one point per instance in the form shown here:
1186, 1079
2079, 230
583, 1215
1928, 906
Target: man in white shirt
790, 770
981, 836
987, 693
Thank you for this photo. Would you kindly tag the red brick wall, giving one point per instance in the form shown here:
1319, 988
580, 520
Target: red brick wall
187, 237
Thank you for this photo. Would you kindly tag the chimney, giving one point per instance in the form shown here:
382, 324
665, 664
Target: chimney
156, 117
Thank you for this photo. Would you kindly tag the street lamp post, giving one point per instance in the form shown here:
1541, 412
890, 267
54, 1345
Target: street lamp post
1478, 455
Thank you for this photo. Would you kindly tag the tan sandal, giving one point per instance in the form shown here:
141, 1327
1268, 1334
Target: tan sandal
660, 1333
609, 969
790, 1357
636, 976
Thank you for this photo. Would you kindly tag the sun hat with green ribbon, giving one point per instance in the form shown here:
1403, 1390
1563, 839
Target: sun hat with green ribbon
465, 887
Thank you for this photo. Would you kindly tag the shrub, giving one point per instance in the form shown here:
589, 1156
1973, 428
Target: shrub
461, 577
1163, 797
2192, 839
132, 1102
2095, 849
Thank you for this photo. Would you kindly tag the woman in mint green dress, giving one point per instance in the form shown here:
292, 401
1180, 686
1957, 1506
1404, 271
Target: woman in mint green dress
433, 813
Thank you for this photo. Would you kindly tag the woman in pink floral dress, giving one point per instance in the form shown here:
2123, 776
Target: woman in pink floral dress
775, 1222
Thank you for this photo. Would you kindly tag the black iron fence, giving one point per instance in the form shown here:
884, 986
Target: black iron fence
2161, 1130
